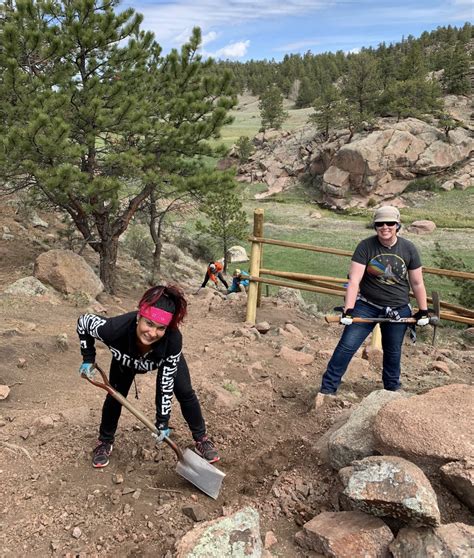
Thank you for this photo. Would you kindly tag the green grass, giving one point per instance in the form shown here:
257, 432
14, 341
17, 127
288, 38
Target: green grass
289, 219
247, 120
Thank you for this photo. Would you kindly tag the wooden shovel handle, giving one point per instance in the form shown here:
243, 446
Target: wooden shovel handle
105, 384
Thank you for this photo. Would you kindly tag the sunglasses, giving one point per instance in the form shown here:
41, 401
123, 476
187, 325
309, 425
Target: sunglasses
387, 223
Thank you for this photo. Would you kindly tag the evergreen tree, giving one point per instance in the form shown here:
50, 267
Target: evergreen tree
244, 148
306, 94
327, 111
271, 108
413, 64
227, 222
416, 97
92, 117
456, 77
362, 82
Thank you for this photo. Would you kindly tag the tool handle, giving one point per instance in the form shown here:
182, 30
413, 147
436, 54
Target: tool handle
105, 384
334, 319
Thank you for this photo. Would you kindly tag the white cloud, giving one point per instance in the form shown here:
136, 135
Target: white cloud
297, 46
233, 50
172, 20
209, 38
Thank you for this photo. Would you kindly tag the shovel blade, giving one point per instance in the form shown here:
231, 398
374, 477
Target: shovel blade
199, 472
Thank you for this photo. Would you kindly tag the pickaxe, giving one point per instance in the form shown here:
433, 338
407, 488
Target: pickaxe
434, 319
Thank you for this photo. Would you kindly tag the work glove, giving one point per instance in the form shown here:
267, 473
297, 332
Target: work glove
422, 318
163, 432
346, 316
87, 369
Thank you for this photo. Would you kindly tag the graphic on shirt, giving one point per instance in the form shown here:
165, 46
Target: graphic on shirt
388, 269
89, 323
140, 364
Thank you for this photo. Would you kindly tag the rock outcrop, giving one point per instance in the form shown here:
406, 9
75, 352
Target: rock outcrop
372, 166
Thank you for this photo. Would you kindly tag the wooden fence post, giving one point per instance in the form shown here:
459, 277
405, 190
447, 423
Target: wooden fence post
255, 252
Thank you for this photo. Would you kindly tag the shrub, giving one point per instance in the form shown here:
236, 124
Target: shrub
138, 243
447, 261
426, 183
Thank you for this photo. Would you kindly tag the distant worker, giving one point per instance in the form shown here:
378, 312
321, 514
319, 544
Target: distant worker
240, 282
214, 272
383, 269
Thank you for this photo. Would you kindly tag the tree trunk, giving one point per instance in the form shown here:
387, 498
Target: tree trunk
108, 251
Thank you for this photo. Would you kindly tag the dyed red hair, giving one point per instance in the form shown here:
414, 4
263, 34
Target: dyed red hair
165, 298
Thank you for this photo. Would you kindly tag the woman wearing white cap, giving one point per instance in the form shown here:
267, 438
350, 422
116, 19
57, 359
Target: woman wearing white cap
383, 269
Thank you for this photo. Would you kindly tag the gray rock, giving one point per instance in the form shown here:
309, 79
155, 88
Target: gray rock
27, 286
234, 536
458, 476
455, 540
350, 534
390, 486
355, 439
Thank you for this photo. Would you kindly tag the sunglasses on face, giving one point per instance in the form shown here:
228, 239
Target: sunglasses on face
387, 223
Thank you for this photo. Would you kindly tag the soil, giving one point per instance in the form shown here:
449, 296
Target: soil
258, 407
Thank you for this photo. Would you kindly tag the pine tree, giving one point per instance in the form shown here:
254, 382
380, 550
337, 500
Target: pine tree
92, 117
271, 108
327, 111
456, 77
362, 82
227, 222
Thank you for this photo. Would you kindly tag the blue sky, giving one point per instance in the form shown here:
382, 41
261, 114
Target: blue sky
245, 29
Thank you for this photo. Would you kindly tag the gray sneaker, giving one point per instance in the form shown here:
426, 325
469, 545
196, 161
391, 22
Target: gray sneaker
206, 449
101, 454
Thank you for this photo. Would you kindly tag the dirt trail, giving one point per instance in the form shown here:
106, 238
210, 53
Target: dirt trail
258, 408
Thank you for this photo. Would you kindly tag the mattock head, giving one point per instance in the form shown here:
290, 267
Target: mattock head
436, 314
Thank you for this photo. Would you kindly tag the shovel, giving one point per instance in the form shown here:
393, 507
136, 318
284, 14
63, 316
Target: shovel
190, 466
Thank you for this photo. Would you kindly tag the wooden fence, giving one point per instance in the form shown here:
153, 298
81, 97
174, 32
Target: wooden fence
321, 283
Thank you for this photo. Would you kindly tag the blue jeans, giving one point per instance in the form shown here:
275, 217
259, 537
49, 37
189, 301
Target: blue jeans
353, 337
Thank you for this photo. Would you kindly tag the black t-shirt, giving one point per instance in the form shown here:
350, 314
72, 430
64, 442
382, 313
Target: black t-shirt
385, 280
119, 334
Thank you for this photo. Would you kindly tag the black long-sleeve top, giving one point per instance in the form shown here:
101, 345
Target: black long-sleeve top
119, 335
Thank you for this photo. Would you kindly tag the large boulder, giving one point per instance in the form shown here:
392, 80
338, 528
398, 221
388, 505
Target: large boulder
355, 439
430, 429
67, 272
390, 486
380, 165
237, 254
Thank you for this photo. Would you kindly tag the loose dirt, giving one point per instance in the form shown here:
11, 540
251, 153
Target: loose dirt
258, 407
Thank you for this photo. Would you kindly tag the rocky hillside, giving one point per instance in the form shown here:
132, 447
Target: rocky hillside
372, 166
292, 487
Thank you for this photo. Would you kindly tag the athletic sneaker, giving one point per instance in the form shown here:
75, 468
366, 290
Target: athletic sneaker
101, 454
206, 449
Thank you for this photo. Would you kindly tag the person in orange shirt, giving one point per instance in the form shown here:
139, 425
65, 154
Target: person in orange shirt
214, 272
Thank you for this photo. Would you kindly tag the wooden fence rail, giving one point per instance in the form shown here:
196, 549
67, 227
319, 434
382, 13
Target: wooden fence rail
322, 283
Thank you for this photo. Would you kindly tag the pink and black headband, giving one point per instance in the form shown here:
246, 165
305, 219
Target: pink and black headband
157, 315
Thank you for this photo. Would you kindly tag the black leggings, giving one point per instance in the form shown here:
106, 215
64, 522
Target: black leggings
219, 275
121, 379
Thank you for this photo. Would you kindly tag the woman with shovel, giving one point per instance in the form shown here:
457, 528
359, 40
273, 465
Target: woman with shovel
382, 270
141, 342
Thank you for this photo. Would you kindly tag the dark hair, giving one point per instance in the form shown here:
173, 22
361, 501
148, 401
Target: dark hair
170, 298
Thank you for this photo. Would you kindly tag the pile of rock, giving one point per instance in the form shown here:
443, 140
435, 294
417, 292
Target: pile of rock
385, 453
